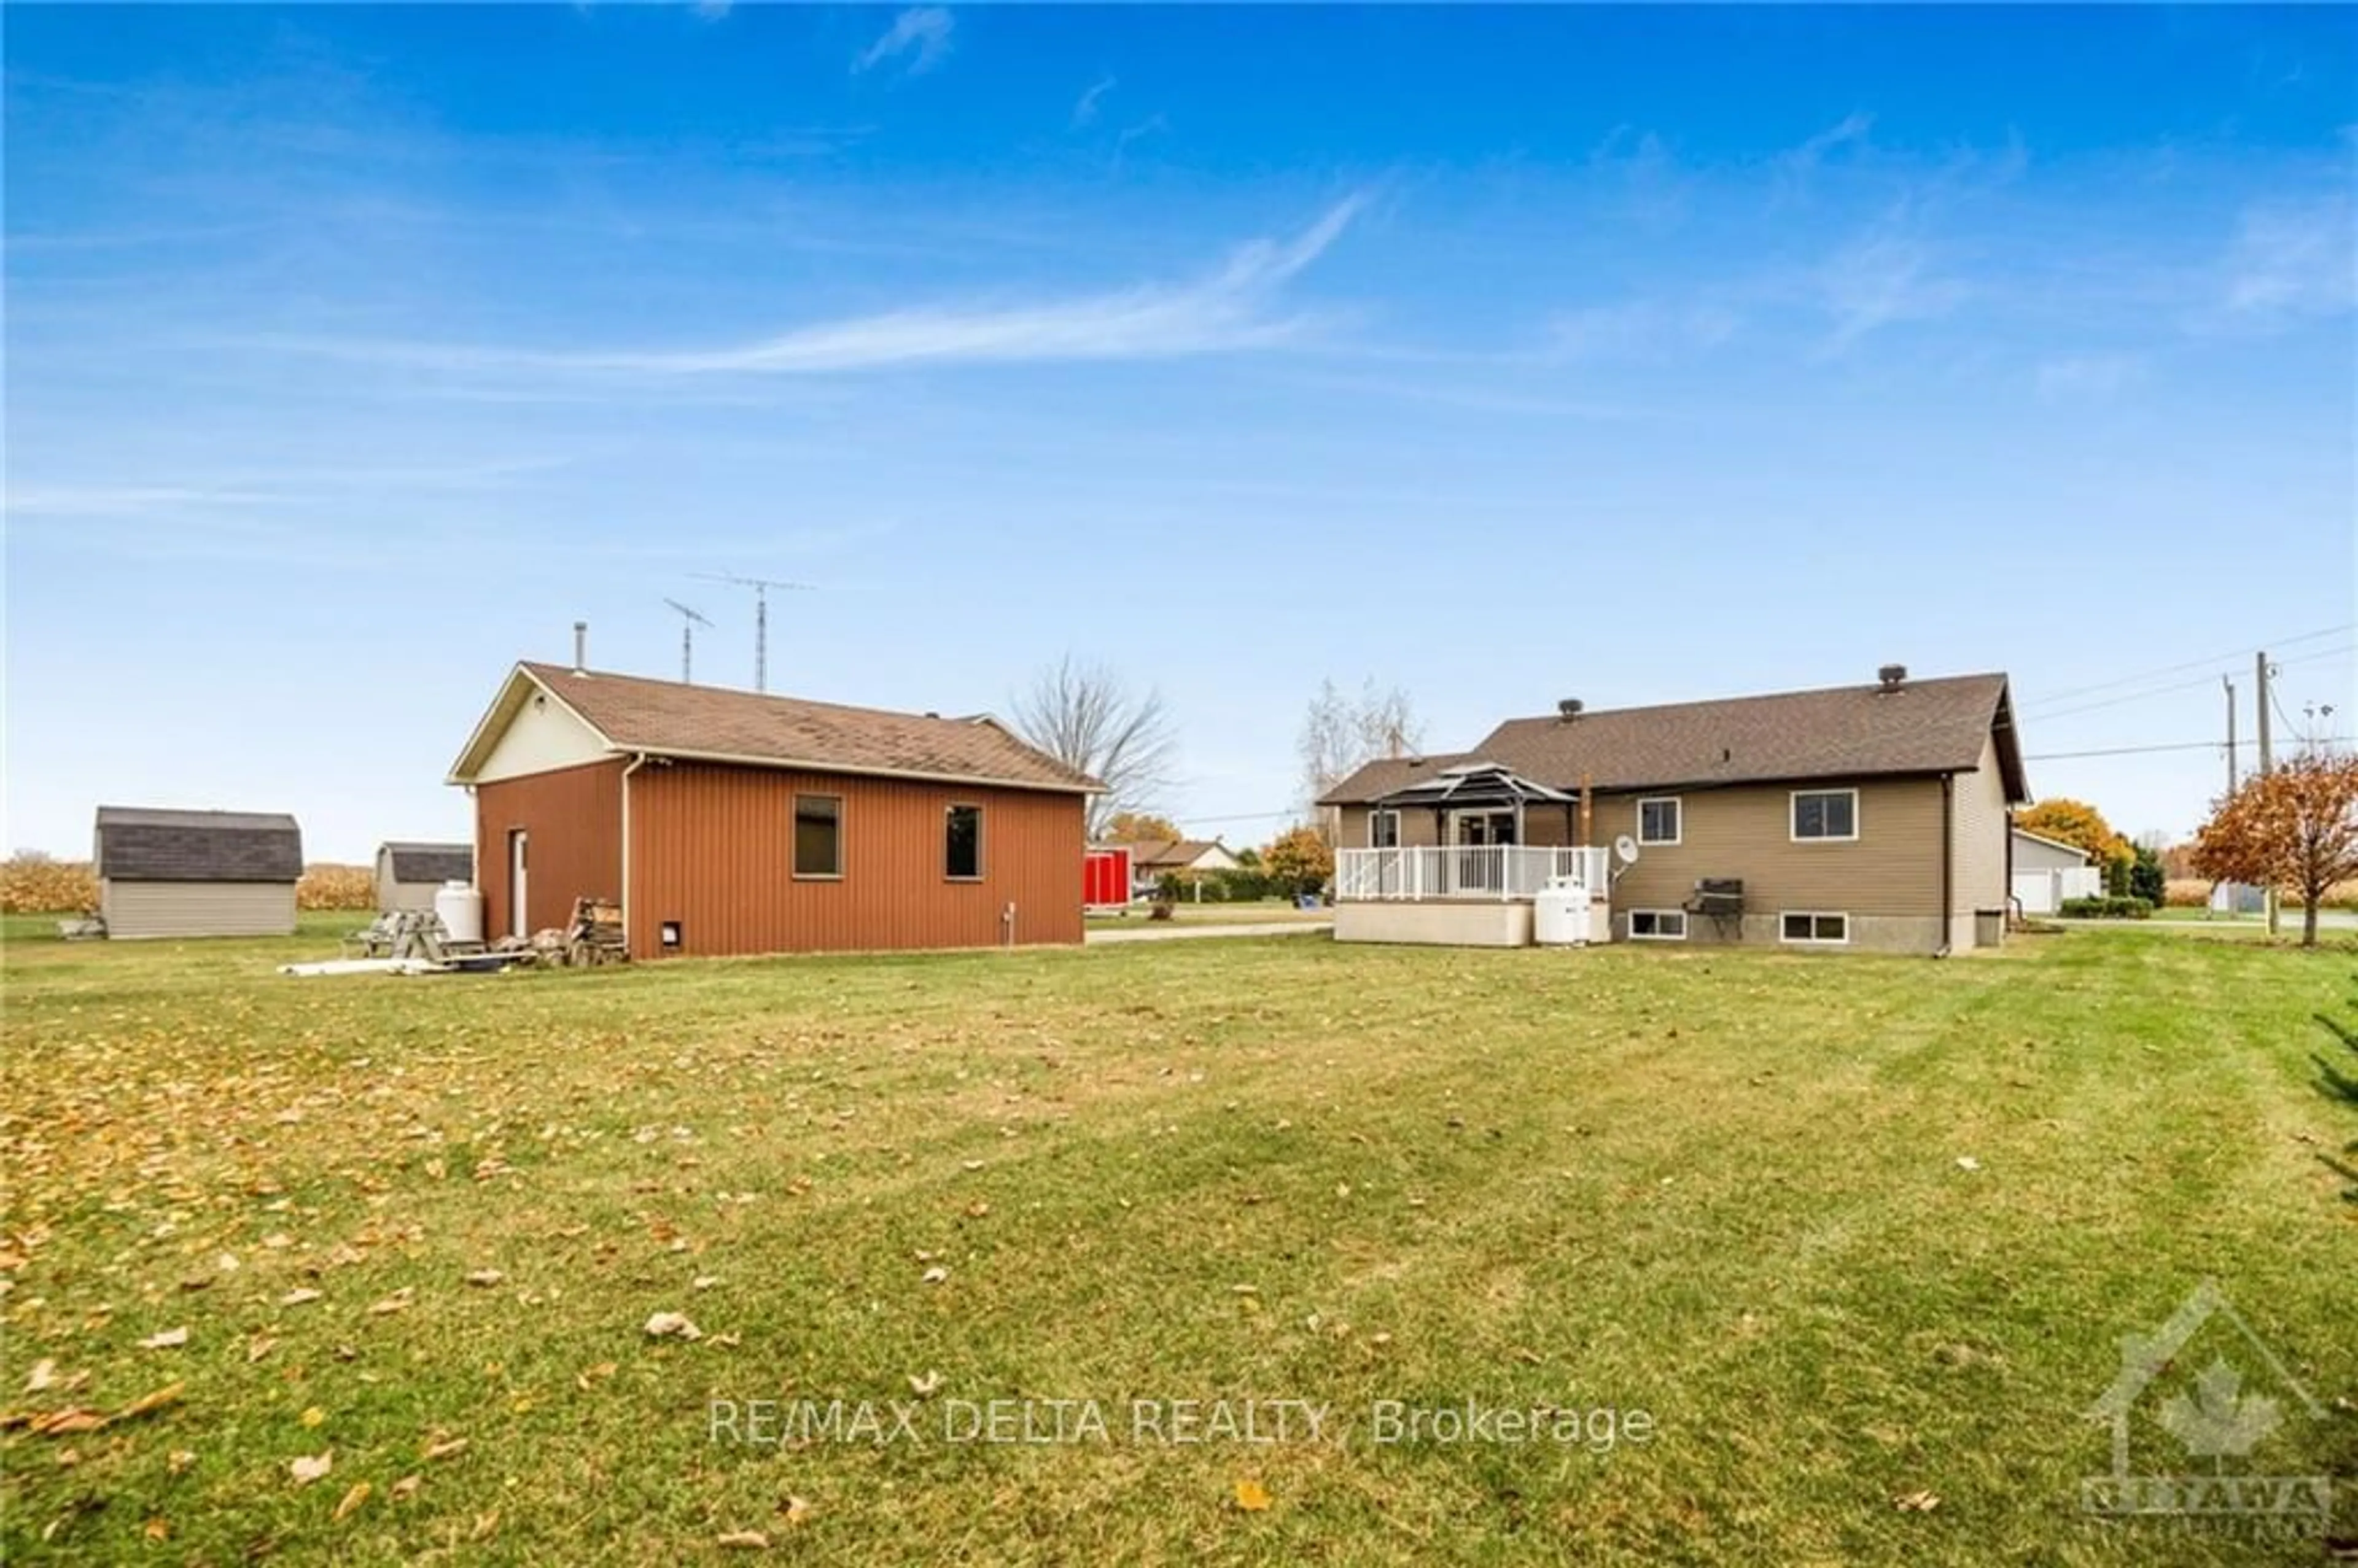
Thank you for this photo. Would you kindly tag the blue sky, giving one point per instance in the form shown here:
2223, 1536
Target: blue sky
1499, 354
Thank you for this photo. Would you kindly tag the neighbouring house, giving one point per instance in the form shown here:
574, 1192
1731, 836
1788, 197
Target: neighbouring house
1151, 862
1861, 817
2048, 871
196, 873
409, 875
734, 822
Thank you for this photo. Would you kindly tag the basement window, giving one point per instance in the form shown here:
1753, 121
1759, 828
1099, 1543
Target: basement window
962, 843
1813, 925
818, 835
1658, 926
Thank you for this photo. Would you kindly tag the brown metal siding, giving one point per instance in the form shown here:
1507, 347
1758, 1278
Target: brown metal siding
711, 848
572, 820
1892, 868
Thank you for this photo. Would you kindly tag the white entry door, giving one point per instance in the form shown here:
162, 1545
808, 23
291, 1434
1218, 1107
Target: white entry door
519, 905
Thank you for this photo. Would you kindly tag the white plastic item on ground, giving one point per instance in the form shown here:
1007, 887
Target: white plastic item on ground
462, 909
362, 966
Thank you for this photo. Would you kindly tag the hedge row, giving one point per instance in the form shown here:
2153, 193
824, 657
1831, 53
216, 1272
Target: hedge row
2110, 908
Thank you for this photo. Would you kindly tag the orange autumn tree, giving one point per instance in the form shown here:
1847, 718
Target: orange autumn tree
1299, 861
2295, 830
2081, 825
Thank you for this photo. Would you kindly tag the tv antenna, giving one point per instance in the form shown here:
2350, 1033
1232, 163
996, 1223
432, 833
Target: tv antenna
760, 586
689, 621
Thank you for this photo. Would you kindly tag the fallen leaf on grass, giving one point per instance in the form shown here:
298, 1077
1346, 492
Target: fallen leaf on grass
672, 1326
67, 1423
598, 1374
260, 1345
485, 1278
157, 1530
937, 1274
155, 1399
298, 1296
313, 1416
176, 1463
308, 1467
44, 1375
403, 1488
1967, 1163
1916, 1502
925, 1385
170, 1339
353, 1500
440, 1447
746, 1539
794, 1510
977, 1209
397, 1301
1251, 1495
703, 1282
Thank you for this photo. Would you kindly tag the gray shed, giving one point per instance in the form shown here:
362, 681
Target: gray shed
409, 875
196, 873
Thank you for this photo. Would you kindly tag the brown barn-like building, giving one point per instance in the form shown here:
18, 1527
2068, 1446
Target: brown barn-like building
734, 822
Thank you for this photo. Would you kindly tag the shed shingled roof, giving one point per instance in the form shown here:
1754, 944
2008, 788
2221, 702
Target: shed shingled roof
138, 844
431, 862
1925, 727
664, 717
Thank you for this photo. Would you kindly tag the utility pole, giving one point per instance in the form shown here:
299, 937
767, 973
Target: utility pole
2230, 732
2268, 762
760, 586
689, 621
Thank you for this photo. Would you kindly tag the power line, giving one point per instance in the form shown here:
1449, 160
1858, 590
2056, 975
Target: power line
2165, 746
2204, 679
2191, 663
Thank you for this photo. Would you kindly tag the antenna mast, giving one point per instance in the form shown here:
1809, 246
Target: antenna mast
689, 621
760, 586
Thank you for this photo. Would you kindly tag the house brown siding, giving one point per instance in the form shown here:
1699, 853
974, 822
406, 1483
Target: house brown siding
1980, 828
572, 818
712, 848
1892, 869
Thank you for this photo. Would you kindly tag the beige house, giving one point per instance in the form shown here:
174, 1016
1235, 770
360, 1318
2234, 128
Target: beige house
1855, 818
196, 873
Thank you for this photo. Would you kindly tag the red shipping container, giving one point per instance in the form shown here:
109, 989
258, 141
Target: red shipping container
1105, 879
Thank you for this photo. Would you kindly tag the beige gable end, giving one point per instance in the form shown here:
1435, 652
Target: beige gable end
544, 736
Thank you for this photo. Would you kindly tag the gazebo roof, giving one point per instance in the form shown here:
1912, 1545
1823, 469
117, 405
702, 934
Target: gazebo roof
1473, 784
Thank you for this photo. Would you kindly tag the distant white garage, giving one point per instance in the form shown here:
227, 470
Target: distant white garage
2047, 872
409, 875
196, 873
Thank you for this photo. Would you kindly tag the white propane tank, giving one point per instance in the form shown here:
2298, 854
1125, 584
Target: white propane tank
1560, 914
461, 909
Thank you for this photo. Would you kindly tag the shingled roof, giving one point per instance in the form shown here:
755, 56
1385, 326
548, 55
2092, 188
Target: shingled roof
670, 718
431, 862
136, 844
1857, 731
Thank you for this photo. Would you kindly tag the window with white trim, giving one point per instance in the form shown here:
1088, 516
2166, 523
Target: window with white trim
1815, 926
1829, 815
1383, 830
1659, 819
1658, 926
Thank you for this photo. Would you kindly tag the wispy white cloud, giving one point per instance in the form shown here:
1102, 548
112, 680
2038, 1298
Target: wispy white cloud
2087, 378
1640, 329
712, 10
1795, 167
1233, 308
922, 33
1152, 126
2293, 259
1883, 280
1084, 112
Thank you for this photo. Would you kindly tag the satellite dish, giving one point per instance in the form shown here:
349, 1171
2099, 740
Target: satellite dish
1624, 850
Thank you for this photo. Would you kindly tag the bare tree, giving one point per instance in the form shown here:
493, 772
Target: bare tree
1340, 733
1086, 718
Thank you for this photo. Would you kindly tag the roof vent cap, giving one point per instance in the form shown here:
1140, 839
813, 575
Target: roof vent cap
1569, 709
1892, 676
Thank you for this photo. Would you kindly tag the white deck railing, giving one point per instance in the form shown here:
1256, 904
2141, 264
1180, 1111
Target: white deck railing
1502, 871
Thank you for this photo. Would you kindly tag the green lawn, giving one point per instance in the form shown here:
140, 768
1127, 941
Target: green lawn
1722, 1189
